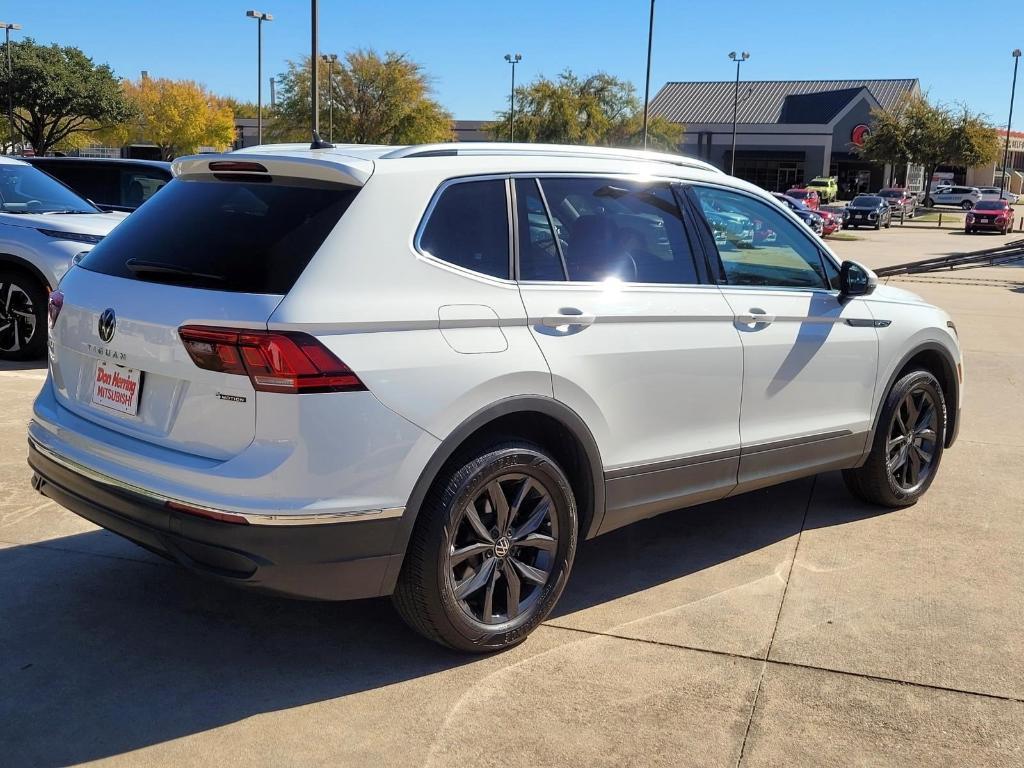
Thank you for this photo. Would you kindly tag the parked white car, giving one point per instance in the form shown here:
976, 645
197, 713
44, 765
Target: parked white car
43, 226
431, 371
962, 197
992, 193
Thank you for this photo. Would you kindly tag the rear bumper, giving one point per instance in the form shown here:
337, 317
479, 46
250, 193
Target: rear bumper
333, 561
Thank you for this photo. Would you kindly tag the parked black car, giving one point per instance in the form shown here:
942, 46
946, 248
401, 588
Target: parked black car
867, 211
805, 214
111, 184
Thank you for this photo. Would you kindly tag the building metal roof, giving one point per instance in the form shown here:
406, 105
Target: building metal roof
761, 101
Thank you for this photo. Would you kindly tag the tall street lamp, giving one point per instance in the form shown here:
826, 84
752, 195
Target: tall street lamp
10, 78
513, 60
647, 81
1009, 122
260, 18
739, 59
330, 58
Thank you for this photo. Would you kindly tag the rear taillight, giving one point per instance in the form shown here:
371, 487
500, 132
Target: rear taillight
53, 308
275, 361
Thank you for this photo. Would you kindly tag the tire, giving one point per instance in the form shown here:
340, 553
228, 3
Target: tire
967, 205
929, 203
22, 316
969, 230
878, 224
888, 223
897, 484
427, 594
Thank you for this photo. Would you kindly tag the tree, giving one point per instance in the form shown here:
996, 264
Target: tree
930, 135
179, 116
241, 108
595, 110
59, 91
377, 100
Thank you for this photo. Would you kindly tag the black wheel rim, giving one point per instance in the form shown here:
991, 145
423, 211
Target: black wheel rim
17, 317
502, 549
912, 440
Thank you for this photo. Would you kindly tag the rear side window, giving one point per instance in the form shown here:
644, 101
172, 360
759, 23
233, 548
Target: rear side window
468, 227
224, 235
138, 185
609, 228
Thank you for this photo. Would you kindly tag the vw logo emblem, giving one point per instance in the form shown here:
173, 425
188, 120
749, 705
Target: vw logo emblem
108, 321
502, 547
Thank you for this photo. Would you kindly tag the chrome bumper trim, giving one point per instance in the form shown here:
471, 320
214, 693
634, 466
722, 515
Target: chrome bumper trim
253, 518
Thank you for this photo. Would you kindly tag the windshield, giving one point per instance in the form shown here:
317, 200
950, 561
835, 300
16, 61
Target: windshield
799, 194
890, 193
24, 189
866, 201
818, 182
990, 205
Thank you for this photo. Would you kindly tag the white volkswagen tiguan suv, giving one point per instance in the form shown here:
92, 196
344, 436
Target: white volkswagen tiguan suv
428, 372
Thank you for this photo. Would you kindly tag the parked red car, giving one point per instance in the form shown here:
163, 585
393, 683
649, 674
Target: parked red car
830, 222
993, 215
808, 197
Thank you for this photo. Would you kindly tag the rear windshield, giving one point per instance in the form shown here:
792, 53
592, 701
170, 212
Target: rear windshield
248, 237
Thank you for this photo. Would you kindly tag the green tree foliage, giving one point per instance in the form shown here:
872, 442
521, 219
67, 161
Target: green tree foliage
931, 135
59, 91
241, 108
598, 110
377, 100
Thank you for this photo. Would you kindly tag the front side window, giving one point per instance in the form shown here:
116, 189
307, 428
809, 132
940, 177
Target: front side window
777, 254
468, 227
608, 228
24, 189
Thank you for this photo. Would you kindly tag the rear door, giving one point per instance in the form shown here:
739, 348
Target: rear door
639, 344
211, 252
809, 359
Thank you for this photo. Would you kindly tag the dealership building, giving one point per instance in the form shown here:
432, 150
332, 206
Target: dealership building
787, 132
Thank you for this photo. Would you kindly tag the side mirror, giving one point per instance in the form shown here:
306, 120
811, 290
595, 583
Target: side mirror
856, 280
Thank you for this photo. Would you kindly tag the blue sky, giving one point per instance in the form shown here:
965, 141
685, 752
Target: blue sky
958, 55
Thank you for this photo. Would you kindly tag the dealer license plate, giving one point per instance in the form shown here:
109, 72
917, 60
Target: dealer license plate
117, 387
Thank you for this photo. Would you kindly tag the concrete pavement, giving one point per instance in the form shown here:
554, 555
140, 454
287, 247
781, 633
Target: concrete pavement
791, 626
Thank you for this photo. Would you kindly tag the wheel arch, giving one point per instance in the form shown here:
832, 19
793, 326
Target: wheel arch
539, 419
9, 260
937, 360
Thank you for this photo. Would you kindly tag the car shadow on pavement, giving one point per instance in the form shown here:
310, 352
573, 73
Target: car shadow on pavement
671, 546
107, 654
22, 365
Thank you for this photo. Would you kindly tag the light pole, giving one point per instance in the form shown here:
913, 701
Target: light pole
513, 60
330, 58
260, 18
10, 78
314, 79
739, 59
1009, 121
647, 81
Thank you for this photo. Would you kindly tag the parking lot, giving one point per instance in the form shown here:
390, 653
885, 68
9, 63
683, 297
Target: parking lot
790, 626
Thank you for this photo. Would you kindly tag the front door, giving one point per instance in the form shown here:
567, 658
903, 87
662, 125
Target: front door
809, 359
639, 344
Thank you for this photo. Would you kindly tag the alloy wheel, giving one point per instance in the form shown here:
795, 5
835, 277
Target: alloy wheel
502, 549
910, 446
17, 317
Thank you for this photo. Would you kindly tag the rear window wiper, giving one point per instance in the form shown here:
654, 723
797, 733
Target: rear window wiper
138, 266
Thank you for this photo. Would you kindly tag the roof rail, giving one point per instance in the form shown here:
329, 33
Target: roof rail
549, 150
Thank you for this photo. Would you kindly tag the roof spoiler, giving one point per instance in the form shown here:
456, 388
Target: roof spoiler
350, 171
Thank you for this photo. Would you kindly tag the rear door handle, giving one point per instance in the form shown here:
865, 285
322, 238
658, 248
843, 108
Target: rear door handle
568, 316
755, 317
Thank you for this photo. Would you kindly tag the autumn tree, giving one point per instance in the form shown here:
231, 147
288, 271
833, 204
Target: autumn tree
178, 116
59, 92
597, 110
930, 135
376, 100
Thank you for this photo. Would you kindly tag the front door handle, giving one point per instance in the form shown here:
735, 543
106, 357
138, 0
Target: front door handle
755, 317
568, 316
